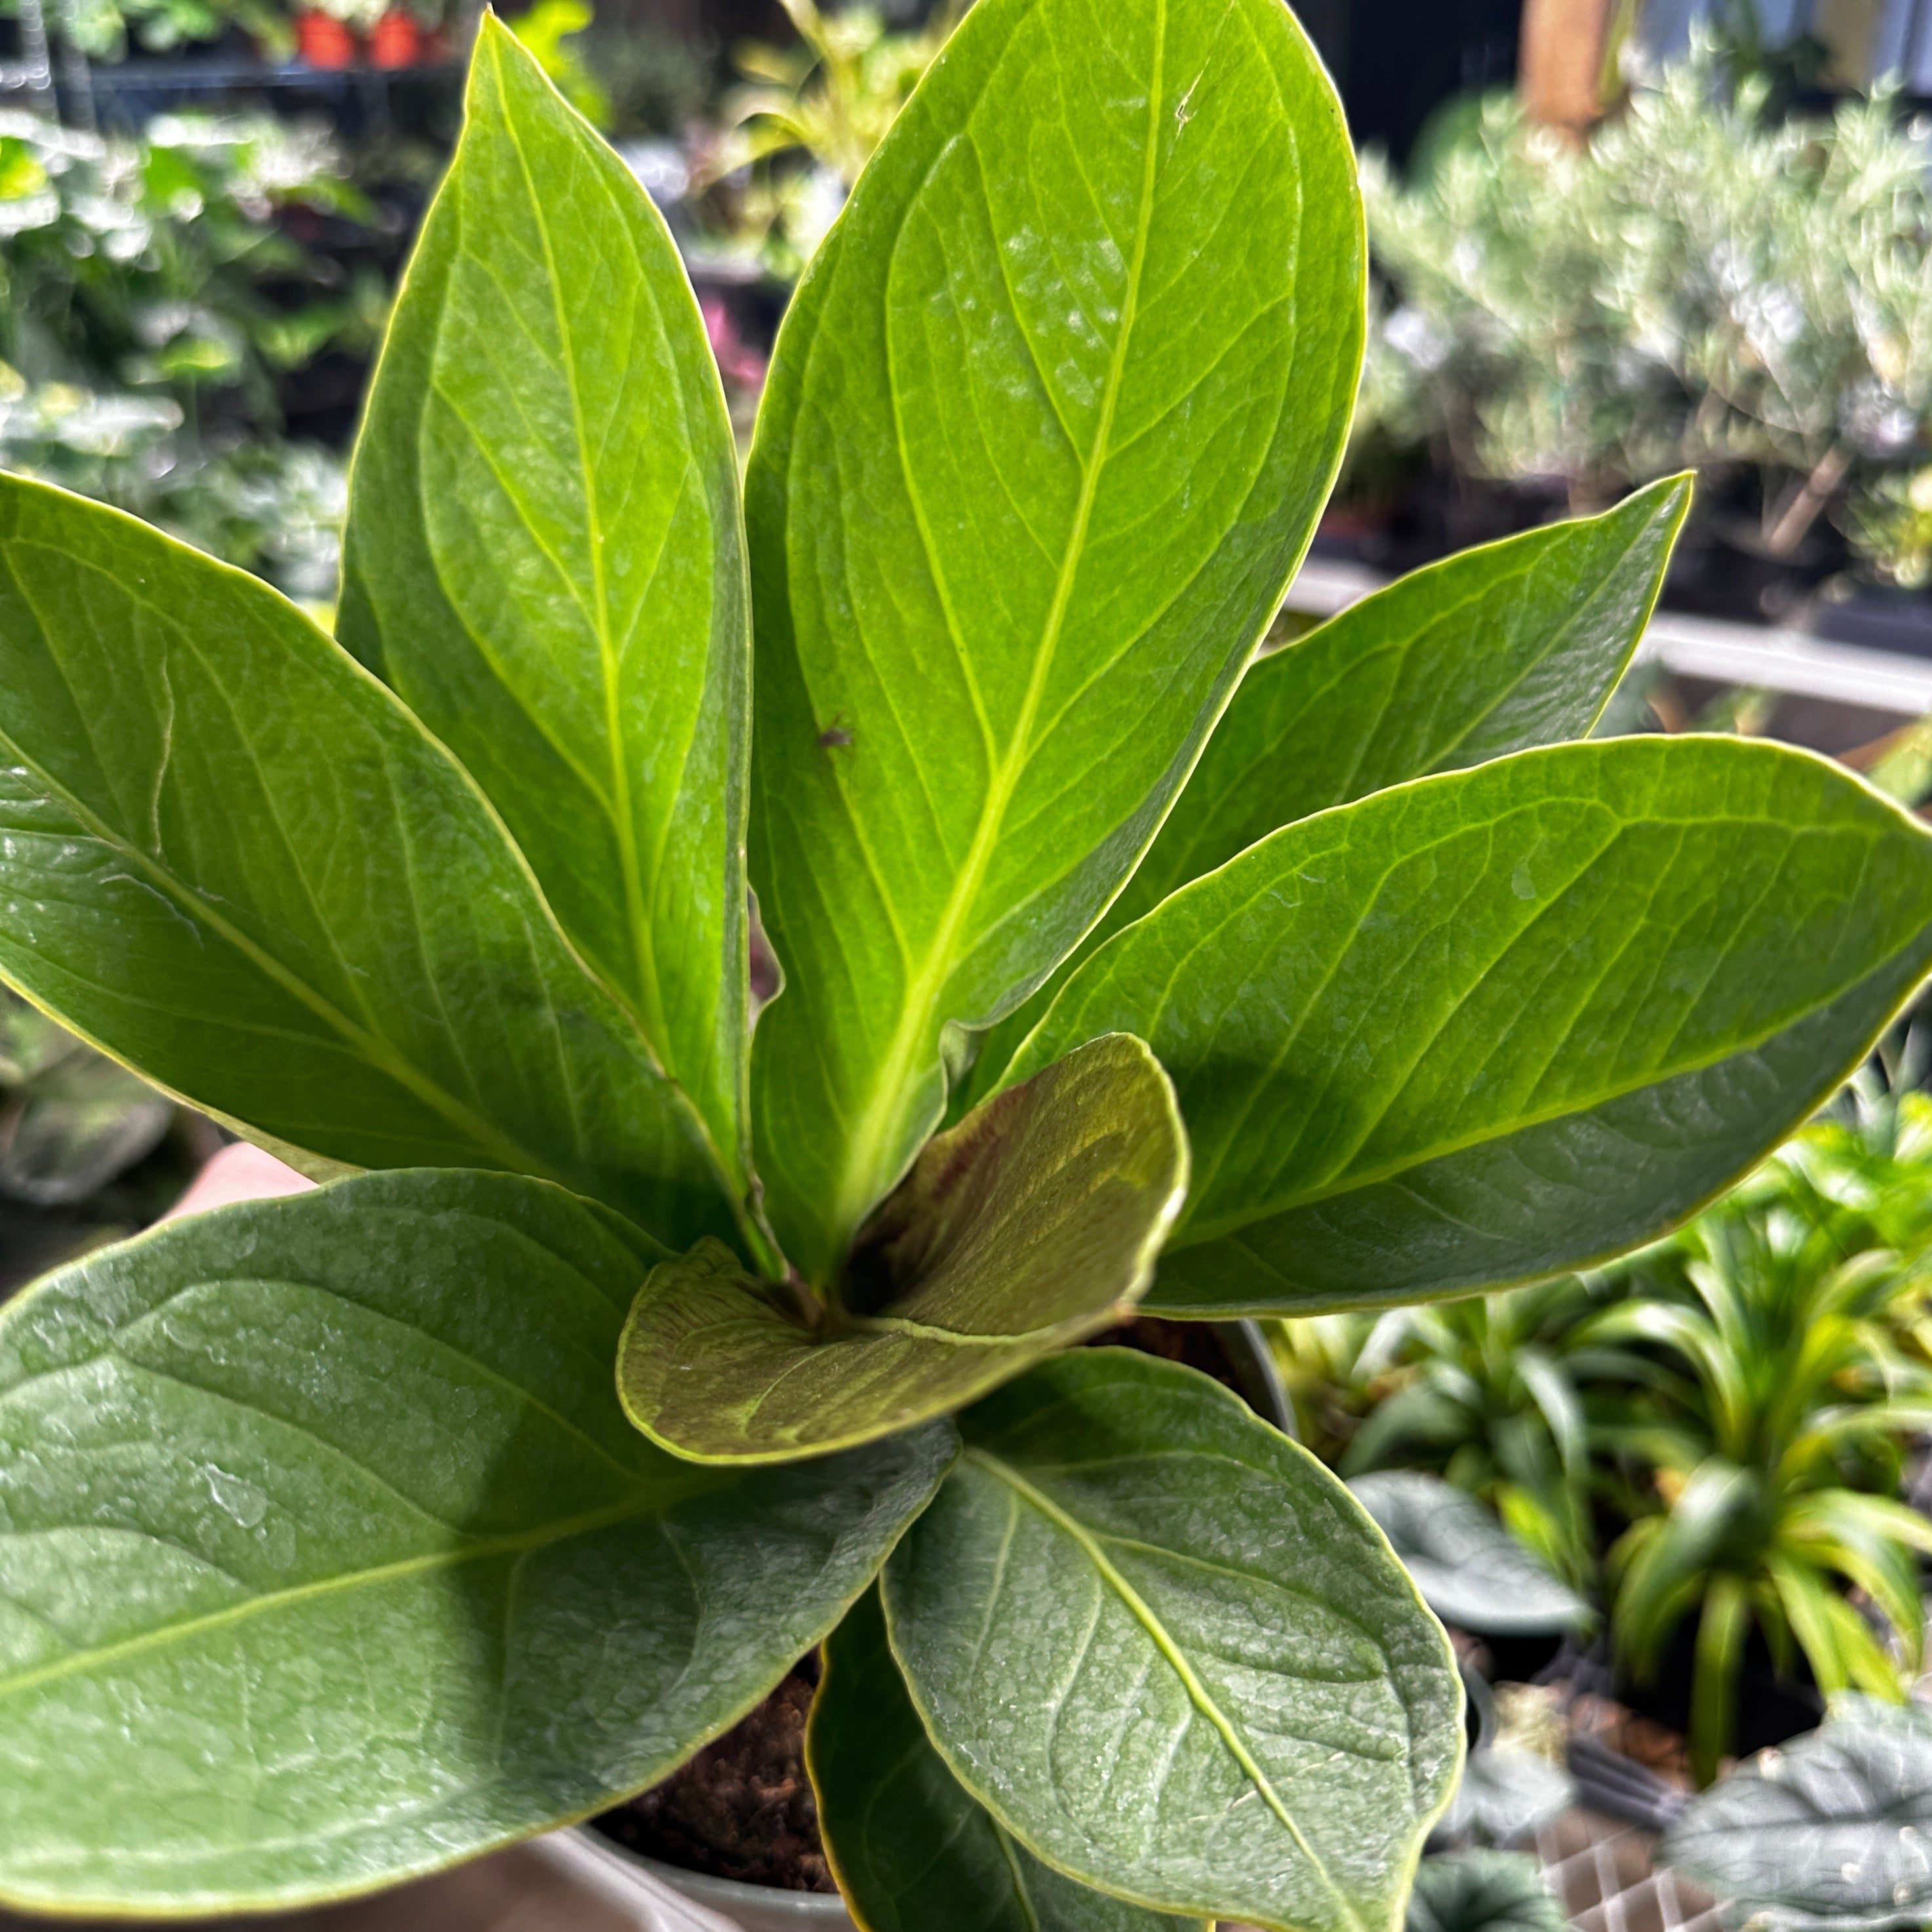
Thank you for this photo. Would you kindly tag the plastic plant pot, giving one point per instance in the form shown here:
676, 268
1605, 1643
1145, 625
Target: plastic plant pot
397, 39
719, 1902
323, 41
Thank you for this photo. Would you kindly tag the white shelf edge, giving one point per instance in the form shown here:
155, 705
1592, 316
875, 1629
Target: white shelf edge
1791, 662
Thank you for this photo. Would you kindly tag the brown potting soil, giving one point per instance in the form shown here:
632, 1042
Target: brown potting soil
1193, 1344
1664, 1752
743, 1808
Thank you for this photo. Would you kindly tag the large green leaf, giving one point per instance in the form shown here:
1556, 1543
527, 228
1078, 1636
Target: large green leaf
1494, 650
1171, 1655
1032, 1224
230, 857
1833, 1833
1050, 422
1470, 1571
911, 1851
1505, 1022
328, 1556
544, 558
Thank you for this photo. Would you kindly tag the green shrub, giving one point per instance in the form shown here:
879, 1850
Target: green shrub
159, 265
1489, 1399
632, 1351
273, 507
1702, 286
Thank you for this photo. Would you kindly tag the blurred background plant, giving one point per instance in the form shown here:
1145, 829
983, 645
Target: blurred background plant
793, 136
1703, 284
1761, 1436
107, 30
551, 30
88, 1152
153, 304
165, 265
1484, 1393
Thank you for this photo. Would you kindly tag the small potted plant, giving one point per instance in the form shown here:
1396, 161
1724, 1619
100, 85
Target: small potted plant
649, 1336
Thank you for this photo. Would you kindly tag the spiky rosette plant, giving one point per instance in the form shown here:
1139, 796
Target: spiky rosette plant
348, 1535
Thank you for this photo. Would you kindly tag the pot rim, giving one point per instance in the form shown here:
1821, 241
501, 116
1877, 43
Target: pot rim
824, 1908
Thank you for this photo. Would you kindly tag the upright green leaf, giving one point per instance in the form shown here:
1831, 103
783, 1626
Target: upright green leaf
1516, 644
1049, 424
1032, 1225
544, 559
1170, 1654
230, 857
327, 1556
1506, 1022
911, 1851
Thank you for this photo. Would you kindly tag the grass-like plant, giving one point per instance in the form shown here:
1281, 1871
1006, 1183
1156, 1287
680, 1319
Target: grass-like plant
345, 1536
1485, 1393
1773, 1412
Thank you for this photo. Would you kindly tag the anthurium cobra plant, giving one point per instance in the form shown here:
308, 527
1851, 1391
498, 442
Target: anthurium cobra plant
633, 1350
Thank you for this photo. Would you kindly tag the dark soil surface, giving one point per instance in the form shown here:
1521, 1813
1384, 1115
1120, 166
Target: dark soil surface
1193, 1344
743, 1808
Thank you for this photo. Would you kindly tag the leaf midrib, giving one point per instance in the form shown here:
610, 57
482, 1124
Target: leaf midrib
859, 1184
644, 952
657, 1501
1143, 1613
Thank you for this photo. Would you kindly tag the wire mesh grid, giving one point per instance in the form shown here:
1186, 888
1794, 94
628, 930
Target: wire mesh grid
1602, 1871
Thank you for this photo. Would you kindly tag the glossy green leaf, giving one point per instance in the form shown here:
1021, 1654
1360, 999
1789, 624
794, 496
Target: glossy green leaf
1506, 1022
327, 1556
1031, 1226
1049, 424
1833, 1833
230, 857
1483, 1891
1470, 1571
1494, 650
911, 1851
1172, 1655
544, 558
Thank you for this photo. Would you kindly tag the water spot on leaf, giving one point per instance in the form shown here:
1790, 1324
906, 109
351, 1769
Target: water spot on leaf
236, 1496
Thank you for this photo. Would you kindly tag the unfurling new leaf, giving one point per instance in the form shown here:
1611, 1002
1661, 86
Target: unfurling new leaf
1032, 1224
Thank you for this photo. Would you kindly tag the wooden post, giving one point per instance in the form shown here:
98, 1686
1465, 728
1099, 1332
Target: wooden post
1849, 28
1560, 68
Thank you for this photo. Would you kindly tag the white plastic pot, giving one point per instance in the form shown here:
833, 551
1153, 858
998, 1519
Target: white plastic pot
662, 1899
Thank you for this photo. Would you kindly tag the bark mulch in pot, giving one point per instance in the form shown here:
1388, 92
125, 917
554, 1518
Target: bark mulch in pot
743, 1808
